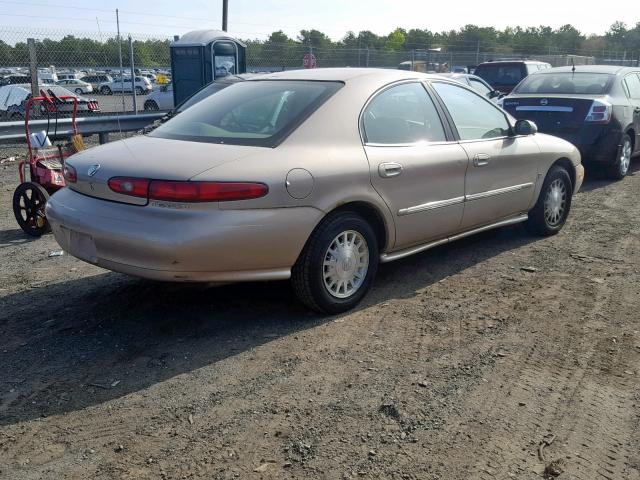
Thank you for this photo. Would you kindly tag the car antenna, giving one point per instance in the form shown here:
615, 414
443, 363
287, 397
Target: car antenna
573, 66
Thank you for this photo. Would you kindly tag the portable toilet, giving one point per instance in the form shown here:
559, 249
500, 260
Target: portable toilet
201, 56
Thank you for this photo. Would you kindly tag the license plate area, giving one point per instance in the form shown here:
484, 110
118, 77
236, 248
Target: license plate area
81, 245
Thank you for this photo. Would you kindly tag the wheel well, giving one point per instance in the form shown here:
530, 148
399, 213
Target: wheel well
632, 135
568, 166
372, 215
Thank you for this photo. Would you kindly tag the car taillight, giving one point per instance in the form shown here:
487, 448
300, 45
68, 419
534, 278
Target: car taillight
176, 191
93, 105
600, 112
136, 187
69, 173
205, 191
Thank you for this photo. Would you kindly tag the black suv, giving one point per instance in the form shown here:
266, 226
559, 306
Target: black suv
503, 75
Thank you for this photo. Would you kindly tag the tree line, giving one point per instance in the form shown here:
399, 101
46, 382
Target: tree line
621, 41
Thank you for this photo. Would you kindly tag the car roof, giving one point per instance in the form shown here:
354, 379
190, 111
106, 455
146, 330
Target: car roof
515, 60
611, 69
346, 75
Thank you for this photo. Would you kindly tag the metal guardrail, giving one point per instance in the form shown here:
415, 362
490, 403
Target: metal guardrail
13, 132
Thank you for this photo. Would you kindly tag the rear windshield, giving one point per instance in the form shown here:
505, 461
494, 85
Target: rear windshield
566, 83
502, 74
260, 113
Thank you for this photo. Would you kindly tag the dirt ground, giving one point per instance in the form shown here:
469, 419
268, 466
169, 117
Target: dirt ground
460, 364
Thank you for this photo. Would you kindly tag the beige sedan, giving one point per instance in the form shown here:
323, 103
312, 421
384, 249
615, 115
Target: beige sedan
313, 175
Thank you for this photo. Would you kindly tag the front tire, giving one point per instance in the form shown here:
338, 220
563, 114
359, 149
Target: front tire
620, 167
337, 265
139, 91
550, 212
106, 91
79, 91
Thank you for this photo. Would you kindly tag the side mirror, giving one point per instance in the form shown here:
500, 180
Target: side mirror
525, 127
494, 93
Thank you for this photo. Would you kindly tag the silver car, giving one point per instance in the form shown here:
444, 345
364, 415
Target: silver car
313, 175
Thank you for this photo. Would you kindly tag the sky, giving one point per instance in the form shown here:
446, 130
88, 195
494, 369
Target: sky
257, 18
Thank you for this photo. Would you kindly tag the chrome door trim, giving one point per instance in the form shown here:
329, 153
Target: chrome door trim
390, 257
430, 206
498, 191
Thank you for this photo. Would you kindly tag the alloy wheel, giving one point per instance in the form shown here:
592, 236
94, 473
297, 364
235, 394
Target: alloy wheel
345, 265
555, 202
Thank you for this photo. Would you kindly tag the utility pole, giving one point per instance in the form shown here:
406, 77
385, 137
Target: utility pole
133, 76
225, 14
33, 71
120, 56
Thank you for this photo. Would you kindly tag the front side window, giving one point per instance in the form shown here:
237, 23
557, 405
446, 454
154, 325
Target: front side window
632, 82
259, 113
474, 117
566, 83
402, 114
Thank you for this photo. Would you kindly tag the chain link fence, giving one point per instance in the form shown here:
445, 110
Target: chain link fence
92, 56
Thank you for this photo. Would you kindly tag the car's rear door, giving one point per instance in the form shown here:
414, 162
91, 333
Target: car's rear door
416, 165
503, 169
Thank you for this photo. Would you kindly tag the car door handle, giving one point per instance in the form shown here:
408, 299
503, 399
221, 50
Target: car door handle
481, 159
390, 169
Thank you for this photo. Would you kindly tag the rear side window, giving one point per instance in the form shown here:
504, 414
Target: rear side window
632, 82
474, 117
566, 83
502, 74
260, 113
402, 114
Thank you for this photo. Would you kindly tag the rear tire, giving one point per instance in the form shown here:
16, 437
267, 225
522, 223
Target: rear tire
550, 212
337, 265
79, 91
106, 91
151, 105
620, 167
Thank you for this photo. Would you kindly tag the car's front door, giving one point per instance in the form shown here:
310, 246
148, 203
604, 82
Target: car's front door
632, 86
503, 169
415, 165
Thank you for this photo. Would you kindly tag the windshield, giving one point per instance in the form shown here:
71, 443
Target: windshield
257, 113
501, 74
566, 83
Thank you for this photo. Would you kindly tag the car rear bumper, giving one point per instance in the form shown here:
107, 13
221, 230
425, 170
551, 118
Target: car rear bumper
188, 244
596, 143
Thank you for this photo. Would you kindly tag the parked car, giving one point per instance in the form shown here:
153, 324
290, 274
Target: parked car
141, 85
313, 175
15, 80
162, 99
597, 108
478, 84
67, 76
77, 86
13, 100
504, 75
96, 80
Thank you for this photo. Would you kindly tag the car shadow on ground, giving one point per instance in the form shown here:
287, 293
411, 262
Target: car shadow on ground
85, 341
11, 238
595, 176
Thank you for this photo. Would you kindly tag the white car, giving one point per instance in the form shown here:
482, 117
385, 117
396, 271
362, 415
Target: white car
77, 86
160, 99
141, 85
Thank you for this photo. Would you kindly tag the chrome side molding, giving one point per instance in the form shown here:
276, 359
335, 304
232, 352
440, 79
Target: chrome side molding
390, 257
431, 206
498, 191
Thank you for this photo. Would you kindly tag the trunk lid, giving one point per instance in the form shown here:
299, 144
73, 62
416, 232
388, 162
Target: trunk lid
147, 157
556, 115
